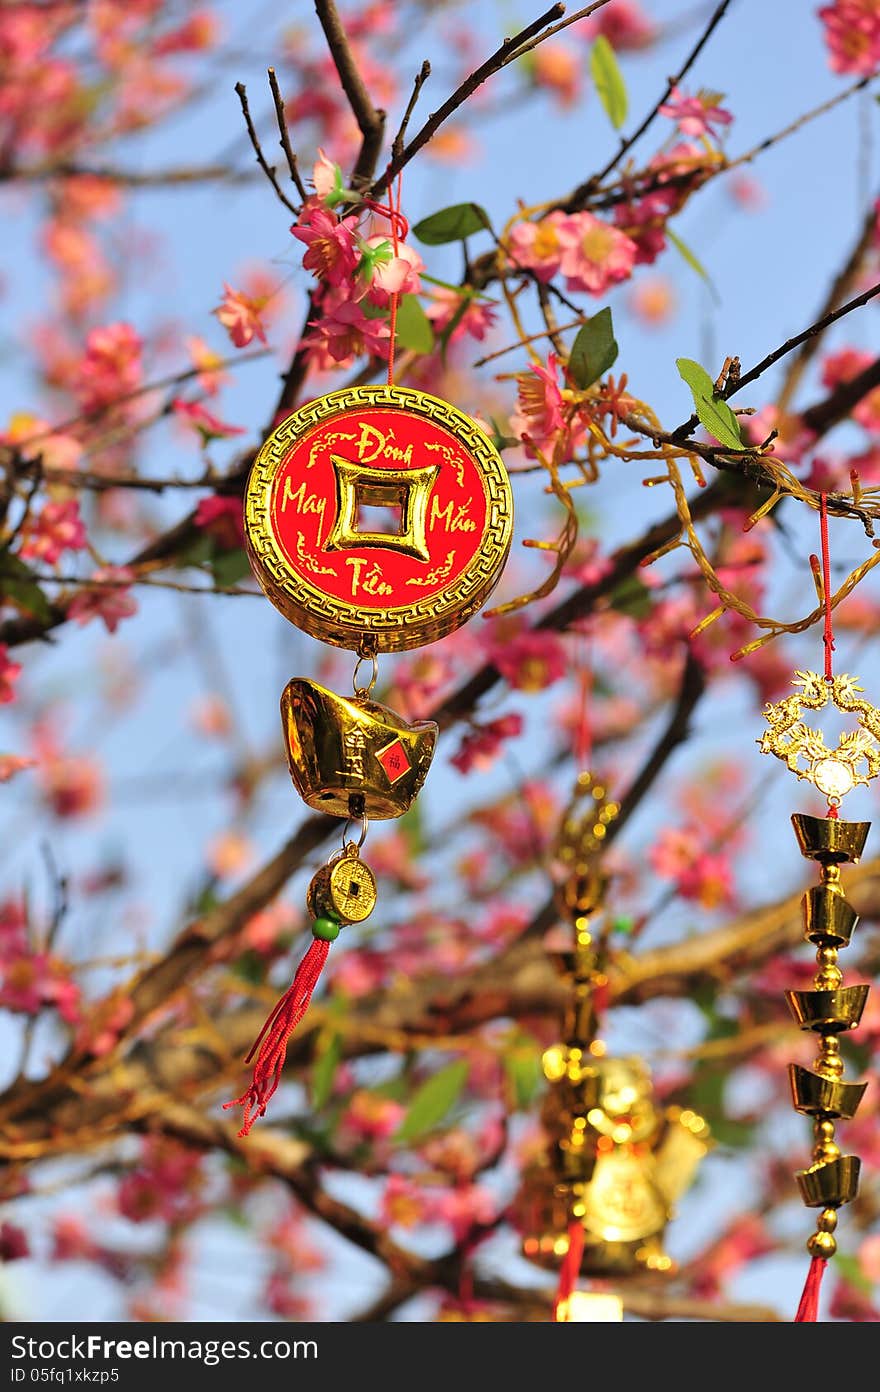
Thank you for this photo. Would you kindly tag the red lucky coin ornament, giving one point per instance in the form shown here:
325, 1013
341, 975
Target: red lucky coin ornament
377, 518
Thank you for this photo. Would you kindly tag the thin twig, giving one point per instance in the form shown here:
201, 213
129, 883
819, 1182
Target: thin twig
584, 191
267, 169
286, 146
509, 50
735, 385
370, 119
839, 288
128, 178
421, 78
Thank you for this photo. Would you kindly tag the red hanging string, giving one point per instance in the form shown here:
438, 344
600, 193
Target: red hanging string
399, 233
808, 1310
828, 637
571, 1265
273, 1037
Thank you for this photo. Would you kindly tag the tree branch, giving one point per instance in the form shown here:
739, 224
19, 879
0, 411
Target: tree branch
284, 133
509, 50
582, 193
267, 169
371, 121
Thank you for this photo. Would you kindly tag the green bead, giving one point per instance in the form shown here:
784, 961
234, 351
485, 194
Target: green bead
325, 928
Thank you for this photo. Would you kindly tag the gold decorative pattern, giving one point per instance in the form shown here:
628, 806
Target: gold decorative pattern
837, 771
408, 489
344, 622
438, 573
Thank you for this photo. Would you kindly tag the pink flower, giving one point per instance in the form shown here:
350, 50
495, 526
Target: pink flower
37, 440
595, 255
842, 366
792, 439
537, 246
531, 660
240, 316
57, 528
211, 375
166, 1184
539, 418
695, 115
653, 301
194, 35
111, 366
13, 1242
404, 1204
71, 1239
344, 332
9, 673
102, 1026
34, 979
371, 1117
208, 426
223, 518
556, 67
475, 320
481, 746
701, 875
645, 222
326, 176
398, 275
331, 253
12, 764
869, 1258
747, 192
852, 33
624, 25
464, 1206
72, 785
109, 599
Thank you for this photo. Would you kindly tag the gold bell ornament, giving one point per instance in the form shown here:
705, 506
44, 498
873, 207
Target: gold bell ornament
377, 518
830, 1008
599, 1200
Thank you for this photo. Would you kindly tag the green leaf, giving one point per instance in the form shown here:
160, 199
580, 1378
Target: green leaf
230, 567
413, 326
432, 1101
632, 597
713, 412
329, 1053
18, 584
685, 252
593, 351
452, 224
522, 1065
28, 595
200, 552
850, 1269
609, 81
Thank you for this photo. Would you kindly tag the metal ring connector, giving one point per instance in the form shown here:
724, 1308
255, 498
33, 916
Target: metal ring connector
352, 847
367, 690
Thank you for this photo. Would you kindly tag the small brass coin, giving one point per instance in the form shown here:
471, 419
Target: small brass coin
352, 889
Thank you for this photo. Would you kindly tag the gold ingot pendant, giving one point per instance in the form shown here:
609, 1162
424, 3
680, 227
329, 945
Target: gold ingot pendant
351, 756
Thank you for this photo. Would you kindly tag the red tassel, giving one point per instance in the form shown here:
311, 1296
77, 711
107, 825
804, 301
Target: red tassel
571, 1265
275, 1033
808, 1310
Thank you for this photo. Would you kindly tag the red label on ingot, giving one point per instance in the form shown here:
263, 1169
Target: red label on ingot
378, 510
394, 761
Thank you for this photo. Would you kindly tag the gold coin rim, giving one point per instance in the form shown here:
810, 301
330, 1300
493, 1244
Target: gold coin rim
339, 622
